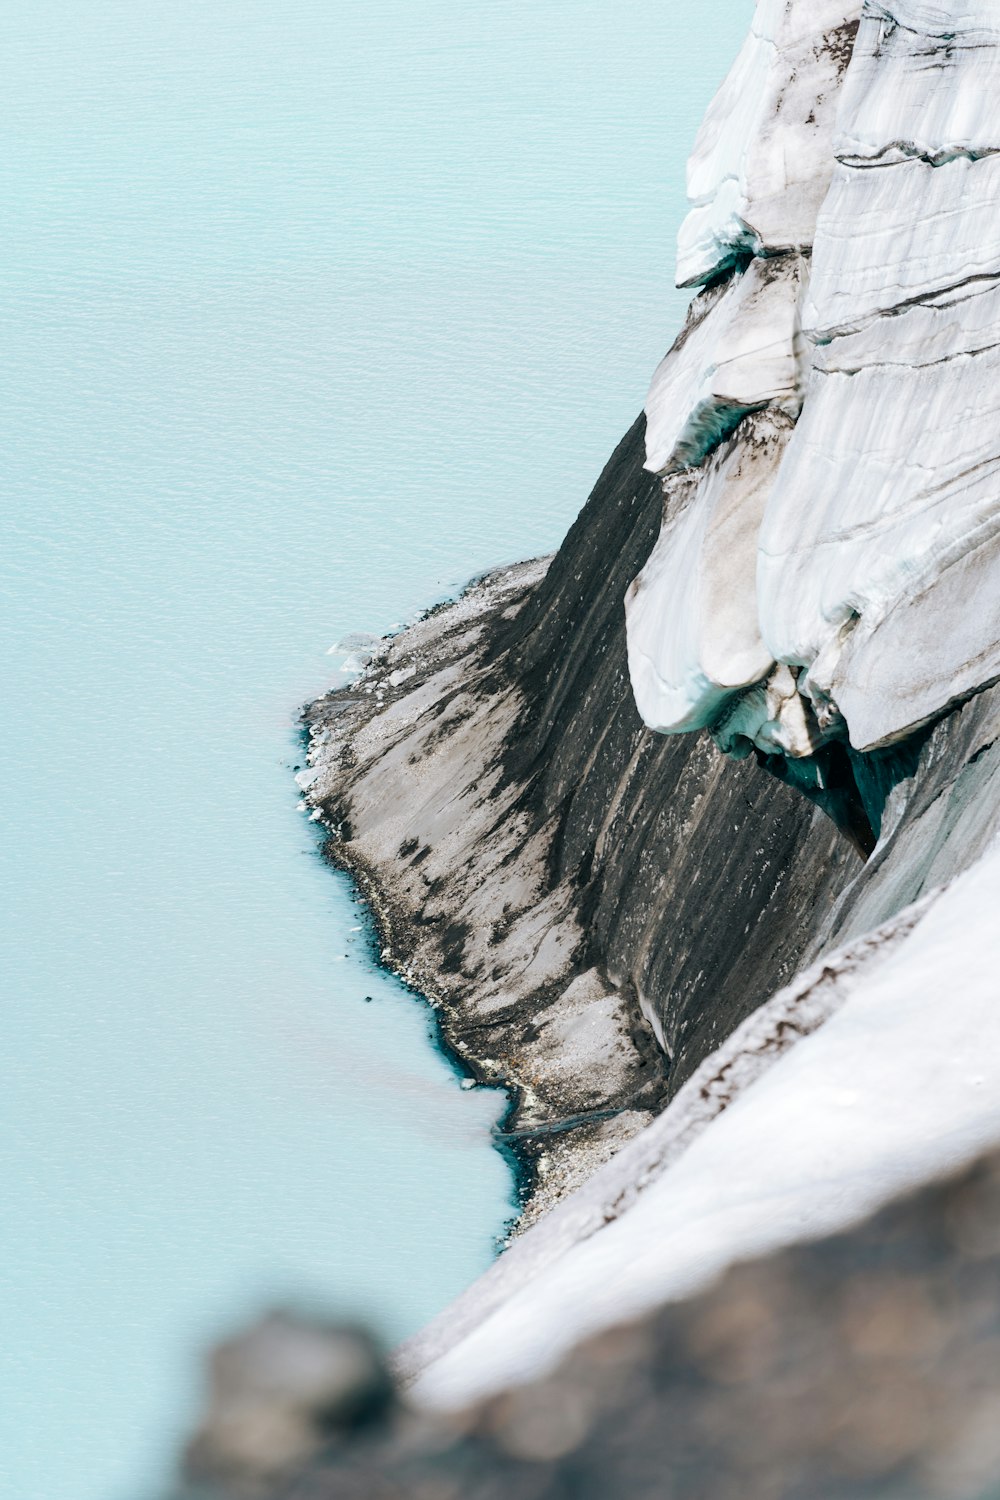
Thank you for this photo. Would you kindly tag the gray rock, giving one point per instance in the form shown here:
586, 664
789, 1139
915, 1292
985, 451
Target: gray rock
583, 900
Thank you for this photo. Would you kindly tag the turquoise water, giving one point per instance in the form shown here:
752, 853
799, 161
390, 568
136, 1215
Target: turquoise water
308, 311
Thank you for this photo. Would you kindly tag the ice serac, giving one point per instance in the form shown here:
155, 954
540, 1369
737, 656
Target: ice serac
740, 350
760, 168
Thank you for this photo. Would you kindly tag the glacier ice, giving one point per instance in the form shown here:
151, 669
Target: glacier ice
692, 611
763, 158
741, 349
854, 268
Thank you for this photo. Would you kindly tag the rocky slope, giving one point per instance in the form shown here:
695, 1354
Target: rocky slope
591, 906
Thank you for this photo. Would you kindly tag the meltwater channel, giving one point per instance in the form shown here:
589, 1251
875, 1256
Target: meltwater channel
309, 310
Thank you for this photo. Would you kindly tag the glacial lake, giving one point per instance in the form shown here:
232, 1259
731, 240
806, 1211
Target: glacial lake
309, 311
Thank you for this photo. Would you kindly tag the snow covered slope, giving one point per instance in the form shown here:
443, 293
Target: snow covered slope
874, 1102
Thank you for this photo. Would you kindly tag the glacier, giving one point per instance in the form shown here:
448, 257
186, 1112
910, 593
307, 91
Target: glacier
761, 164
878, 338
709, 880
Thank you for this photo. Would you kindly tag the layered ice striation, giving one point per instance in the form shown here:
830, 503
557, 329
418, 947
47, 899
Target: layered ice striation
828, 424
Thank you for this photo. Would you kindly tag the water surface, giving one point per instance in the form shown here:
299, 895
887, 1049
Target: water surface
309, 310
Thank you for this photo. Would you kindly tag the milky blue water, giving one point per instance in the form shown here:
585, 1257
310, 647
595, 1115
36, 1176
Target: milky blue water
309, 309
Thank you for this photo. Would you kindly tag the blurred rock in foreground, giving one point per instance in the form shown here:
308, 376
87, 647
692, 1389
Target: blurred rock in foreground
280, 1394
866, 1365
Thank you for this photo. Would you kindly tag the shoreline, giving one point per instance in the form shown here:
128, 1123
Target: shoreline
372, 897
560, 1122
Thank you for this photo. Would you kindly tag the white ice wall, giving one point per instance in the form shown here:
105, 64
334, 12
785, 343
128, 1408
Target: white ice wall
878, 524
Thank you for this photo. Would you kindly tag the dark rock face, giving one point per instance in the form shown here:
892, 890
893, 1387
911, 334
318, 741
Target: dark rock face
701, 879
864, 1367
537, 856
595, 907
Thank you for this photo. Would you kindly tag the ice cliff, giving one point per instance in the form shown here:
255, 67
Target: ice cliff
826, 425
711, 884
